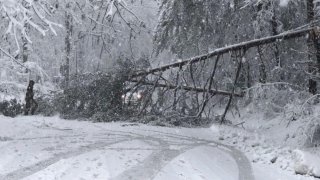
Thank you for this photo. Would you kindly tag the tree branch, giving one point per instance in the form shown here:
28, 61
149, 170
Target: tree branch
187, 88
244, 45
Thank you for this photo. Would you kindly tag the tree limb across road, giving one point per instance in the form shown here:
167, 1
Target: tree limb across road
240, 46
187, 88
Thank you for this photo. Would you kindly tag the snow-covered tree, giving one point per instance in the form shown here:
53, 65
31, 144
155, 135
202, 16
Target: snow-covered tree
18, 14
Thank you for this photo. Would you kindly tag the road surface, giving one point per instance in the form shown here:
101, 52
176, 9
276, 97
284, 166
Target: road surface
47, 149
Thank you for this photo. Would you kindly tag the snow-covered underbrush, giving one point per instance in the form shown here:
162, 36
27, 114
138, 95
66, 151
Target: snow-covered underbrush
173, 119
288, 111
275, 99
307, 163
279, 124
14, 79
92, 96
261, 150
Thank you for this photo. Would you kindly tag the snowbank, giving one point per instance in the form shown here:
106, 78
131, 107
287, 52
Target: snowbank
306, 163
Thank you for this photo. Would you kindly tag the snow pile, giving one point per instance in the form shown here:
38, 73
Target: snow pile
306, 163
259, 147
284, 3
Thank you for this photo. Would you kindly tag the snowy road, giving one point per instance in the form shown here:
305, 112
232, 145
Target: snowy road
33, 148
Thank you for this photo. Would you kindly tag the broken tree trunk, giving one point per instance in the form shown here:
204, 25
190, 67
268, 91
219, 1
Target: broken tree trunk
187, 88
235, 47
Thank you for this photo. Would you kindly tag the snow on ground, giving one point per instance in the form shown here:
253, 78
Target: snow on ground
50, 148
272, 142
189, 166
307, 163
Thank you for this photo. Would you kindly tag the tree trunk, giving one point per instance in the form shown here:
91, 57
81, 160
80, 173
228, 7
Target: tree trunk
68, 46
262, 67
247, 45
25, 50
275, 32
313, 48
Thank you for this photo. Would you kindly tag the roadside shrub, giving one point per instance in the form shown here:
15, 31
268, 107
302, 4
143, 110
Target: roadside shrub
11, 108
46, 104
97, 96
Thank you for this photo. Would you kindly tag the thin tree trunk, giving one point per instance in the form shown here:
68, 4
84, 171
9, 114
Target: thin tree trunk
262, 67
25, 50
68, 46
313, 48
275, 32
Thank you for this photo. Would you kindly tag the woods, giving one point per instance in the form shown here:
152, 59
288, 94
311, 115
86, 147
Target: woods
197, 57
159, 89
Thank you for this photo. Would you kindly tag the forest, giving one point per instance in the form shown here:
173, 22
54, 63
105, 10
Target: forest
252, 65
79, 51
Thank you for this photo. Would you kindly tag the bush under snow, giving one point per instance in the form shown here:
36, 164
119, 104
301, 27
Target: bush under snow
306, 163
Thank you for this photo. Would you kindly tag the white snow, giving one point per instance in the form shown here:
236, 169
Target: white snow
50, 148
270, 144
307, 163
284, 3
209, 163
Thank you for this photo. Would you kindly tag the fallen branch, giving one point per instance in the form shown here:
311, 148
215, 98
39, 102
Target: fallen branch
240, 124
187, 88
244, 45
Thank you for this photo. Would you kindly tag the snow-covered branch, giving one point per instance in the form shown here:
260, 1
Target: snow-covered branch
21, 14
235, 47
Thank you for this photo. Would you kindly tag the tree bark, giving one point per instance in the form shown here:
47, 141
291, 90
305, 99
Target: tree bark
262, 67
25, 50
68, 46
276, 51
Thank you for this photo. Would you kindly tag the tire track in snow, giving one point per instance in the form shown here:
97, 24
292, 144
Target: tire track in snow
243, 163
151, 166
27, 171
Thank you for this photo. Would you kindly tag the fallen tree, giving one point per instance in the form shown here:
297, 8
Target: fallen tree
241, 46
